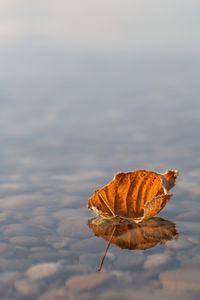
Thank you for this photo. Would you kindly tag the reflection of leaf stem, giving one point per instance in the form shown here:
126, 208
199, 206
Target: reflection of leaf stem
101, 264
105, 202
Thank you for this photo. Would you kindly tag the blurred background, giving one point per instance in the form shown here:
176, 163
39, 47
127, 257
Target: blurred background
90, 88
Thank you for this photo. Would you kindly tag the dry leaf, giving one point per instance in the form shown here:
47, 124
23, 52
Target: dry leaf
133, 196
141, 236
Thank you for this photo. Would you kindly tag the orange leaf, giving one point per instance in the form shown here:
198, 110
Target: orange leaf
134, 196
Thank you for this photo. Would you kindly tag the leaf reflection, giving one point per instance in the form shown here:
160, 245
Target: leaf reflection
142, 236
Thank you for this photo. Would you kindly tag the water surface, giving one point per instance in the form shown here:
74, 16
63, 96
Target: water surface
88, 90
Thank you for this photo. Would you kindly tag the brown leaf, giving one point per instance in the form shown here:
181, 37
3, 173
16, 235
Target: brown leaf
134, 196
141, 236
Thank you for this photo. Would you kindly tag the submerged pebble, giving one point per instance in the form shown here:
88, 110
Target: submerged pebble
56, 294
87, 282
27, 287
59, 242
156, 260
43, 270
128, 294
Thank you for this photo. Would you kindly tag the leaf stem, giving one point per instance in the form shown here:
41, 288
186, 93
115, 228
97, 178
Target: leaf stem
105, 202
101, 264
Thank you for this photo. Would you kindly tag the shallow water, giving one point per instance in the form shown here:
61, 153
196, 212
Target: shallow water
77, 106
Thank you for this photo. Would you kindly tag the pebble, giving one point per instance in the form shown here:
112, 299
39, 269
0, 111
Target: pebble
24, 240
181, 280
27, 287
43, 270
116, 295
122, 277
110, 256
87, 282
59, 242
56, 294
156, 260
150, 293
128, 294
